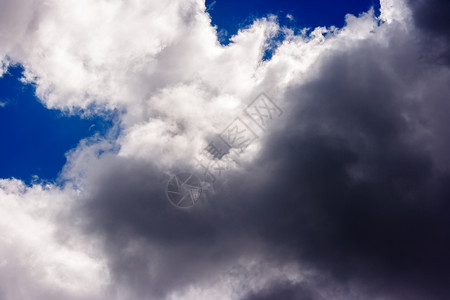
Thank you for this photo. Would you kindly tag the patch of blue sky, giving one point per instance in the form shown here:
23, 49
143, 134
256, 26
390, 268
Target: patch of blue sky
231, 15
34, 139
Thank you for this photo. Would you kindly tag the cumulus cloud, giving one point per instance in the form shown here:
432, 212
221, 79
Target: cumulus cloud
345, 196
41, 257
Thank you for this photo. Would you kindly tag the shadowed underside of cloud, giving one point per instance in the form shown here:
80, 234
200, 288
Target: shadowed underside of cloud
356, 185
347, 199
287, 291
433, 18
432, 15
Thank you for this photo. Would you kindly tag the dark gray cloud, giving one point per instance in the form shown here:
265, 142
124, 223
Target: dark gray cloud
433, 17
352, 184
286, 291
356, 191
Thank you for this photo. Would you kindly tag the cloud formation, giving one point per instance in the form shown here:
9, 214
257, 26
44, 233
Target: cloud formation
345, 197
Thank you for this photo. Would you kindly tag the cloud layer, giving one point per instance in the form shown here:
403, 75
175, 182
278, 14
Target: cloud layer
345, 197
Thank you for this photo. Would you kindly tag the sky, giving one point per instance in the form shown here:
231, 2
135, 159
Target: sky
223, 150
230, 16
35, 138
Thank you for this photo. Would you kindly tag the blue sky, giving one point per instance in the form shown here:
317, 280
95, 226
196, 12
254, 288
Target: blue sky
229, 16
36, 138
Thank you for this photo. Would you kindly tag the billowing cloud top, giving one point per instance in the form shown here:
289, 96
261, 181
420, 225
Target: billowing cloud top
346, 196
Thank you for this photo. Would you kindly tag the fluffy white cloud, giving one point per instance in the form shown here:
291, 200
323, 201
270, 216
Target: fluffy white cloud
160, 64
42, 257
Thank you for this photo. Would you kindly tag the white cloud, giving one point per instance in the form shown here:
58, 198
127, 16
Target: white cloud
392, 10
40, 257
